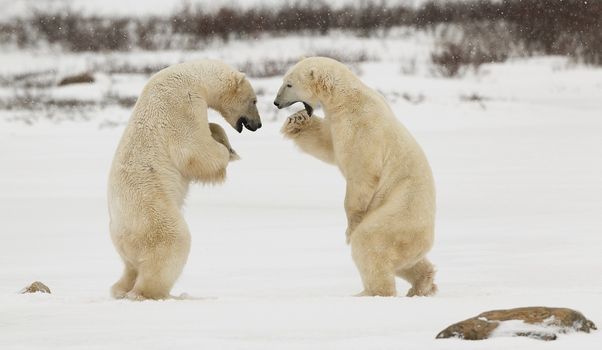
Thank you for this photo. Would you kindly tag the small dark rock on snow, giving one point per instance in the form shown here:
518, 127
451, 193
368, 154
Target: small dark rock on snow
549, 321
36, 287
83, 78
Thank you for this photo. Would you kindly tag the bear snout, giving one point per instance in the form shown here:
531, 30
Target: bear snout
251, 125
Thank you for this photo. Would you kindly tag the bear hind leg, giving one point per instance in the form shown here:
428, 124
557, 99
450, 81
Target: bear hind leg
378, 275
120, 289
156, 279
159, 271
377, 281
421, 275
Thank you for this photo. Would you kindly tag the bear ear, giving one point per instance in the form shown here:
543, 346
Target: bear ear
240, 77
320, 81
302, 58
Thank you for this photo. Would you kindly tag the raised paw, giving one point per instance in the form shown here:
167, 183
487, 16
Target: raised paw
295, 123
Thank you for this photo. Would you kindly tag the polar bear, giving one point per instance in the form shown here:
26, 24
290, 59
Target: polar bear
390, 193
167, 144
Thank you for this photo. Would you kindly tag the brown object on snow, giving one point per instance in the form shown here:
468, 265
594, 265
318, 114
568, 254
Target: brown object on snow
77, 79
36, 287
543, 323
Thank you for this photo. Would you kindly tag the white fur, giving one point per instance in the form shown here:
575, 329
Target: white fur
166, 145
390, 196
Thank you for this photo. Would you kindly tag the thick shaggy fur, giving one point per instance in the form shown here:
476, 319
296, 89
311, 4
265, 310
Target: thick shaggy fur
166, 145
390, 196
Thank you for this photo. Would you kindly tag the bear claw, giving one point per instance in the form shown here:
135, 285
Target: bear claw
296, 122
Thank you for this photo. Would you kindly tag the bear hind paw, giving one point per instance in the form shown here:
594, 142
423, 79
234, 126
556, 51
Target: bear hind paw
422, 291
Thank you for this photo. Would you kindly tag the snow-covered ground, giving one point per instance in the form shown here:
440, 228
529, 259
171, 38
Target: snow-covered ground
516, 151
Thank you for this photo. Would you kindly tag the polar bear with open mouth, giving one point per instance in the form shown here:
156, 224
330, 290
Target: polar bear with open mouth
390, 196
167, 144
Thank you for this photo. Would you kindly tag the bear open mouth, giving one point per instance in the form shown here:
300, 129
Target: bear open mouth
244, 121
308, 108
239, 125
250, 126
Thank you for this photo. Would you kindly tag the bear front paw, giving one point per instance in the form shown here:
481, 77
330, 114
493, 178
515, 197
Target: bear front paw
295, 123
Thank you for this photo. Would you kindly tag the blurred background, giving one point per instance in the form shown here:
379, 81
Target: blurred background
113, 46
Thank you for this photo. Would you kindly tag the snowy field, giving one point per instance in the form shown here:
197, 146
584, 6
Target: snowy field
515, 148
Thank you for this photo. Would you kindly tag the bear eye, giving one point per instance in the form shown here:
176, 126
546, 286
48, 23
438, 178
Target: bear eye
289, 85
254, 102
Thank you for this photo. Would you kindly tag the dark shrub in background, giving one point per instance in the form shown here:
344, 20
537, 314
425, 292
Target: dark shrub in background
550, 27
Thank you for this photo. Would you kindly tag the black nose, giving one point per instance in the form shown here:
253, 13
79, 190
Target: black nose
276, 104
259, 125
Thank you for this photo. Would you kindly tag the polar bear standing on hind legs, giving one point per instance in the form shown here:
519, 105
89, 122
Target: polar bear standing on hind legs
167, 144
390, 196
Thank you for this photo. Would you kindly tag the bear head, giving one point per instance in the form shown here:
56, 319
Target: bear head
239, 104
310, 81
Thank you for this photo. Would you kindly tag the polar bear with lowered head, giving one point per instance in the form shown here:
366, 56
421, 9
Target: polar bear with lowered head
167, 144
390, 193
